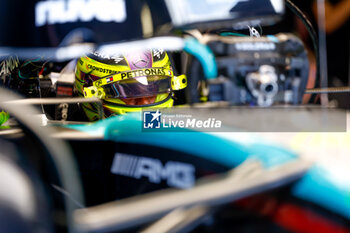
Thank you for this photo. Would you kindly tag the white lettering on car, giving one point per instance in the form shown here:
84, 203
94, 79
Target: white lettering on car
71, 11
176, 174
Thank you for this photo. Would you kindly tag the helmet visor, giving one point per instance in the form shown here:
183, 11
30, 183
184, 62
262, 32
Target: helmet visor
138, 87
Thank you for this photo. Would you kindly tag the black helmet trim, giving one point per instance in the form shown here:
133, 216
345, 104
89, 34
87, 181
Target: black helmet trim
109, 60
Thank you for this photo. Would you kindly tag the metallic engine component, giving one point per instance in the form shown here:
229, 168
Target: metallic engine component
263, 85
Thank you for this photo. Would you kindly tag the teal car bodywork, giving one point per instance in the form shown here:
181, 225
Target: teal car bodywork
228, 149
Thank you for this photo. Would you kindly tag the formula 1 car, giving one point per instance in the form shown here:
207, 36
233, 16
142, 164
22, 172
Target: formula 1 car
270, 188
119, 158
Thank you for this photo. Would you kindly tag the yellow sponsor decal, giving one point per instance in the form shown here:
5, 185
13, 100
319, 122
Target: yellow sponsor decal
133, 74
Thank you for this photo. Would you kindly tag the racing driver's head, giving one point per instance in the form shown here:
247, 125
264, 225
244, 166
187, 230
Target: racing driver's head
127, 83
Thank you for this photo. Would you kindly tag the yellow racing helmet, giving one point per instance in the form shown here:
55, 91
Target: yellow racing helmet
127, 83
